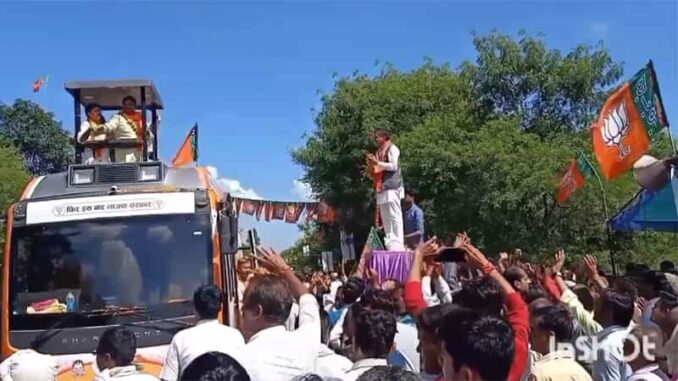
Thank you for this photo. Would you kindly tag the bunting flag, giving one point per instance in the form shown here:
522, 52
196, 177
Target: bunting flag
294, 210
250, 206
290, 212
278, 211
39, 83
311, 211
629, 119
238, 205
374, 241
268, 211
260, 208
575, 178
188, 152
326, 213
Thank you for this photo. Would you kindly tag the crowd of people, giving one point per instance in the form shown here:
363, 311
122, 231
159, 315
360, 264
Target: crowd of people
501, 319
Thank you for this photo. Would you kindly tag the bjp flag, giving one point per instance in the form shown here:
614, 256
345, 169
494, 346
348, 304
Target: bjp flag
311, 211
249, 206
574, 179
268, 211
278, 210
326, 213
188, 152
630, 117
260, 208
294, 210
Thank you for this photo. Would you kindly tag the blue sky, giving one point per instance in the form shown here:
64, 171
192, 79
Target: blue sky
249, 73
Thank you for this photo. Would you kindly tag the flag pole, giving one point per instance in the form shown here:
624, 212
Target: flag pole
196, 143
662, 109
606, 212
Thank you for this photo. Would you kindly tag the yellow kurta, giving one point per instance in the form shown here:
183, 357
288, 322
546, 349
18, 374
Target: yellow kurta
120, 128
558, 366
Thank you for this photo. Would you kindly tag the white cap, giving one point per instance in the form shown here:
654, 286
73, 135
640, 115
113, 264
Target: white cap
28, 365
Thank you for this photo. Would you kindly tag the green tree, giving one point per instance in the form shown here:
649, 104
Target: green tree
44, 144
549, 91
483, 146
313, 238
15, 176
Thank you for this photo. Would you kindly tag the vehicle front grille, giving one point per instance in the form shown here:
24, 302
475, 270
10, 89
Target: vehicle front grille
115, 174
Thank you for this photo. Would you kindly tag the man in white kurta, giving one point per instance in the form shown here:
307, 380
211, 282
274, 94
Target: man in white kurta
387, 161
92, 130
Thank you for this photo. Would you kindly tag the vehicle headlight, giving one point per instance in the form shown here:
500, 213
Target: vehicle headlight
149, 173
83, 176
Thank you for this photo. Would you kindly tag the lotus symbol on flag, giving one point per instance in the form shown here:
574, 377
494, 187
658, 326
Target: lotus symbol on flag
615, 128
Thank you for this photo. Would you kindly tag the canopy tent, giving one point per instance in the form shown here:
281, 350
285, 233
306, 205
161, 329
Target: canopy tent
653, 210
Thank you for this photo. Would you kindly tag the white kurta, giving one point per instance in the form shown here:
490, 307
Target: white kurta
119, 128
88, 156
389, 205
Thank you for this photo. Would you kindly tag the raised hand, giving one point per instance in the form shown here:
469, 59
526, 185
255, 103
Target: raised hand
475, 258
591, 263
428, 249
516, 256
559, 261
272, 261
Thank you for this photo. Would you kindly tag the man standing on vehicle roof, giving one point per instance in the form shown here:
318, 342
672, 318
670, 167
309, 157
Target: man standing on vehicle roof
128, 124
388, 182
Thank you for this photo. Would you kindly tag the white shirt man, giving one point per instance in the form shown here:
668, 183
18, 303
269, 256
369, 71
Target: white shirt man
206, 336
28, 365
442, 294
98, 155
388, 201
279, 354
331, 365
120, 128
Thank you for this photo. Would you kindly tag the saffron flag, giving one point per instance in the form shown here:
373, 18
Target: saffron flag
325, 212
188, 152
278, 210
574, 178
294, 210
39, 83
268, 211
260, 208
249, 206
629, 119
311, 211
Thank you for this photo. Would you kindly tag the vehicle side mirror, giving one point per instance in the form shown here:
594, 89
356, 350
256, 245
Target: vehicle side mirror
228, 232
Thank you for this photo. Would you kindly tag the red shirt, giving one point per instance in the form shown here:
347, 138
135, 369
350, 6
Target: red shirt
414, 298
551, 288
519, 319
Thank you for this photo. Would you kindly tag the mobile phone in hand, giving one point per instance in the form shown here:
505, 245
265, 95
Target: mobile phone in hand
451, 254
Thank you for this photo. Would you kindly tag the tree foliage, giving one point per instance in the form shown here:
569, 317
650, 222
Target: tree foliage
14, 177
483, 147
45, 146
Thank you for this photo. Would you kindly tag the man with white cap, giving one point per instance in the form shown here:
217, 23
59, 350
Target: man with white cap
28, 365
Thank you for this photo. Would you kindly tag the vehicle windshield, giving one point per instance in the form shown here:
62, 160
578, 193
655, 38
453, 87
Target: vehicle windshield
114, 264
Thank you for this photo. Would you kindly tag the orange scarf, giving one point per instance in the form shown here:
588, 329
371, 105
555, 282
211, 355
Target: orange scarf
98, 152
136, 121
382, 155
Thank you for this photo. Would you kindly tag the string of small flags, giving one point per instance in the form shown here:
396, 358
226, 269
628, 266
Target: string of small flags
287, 211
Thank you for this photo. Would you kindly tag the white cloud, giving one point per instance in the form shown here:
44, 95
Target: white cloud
232, 186
302, 190
599, 29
